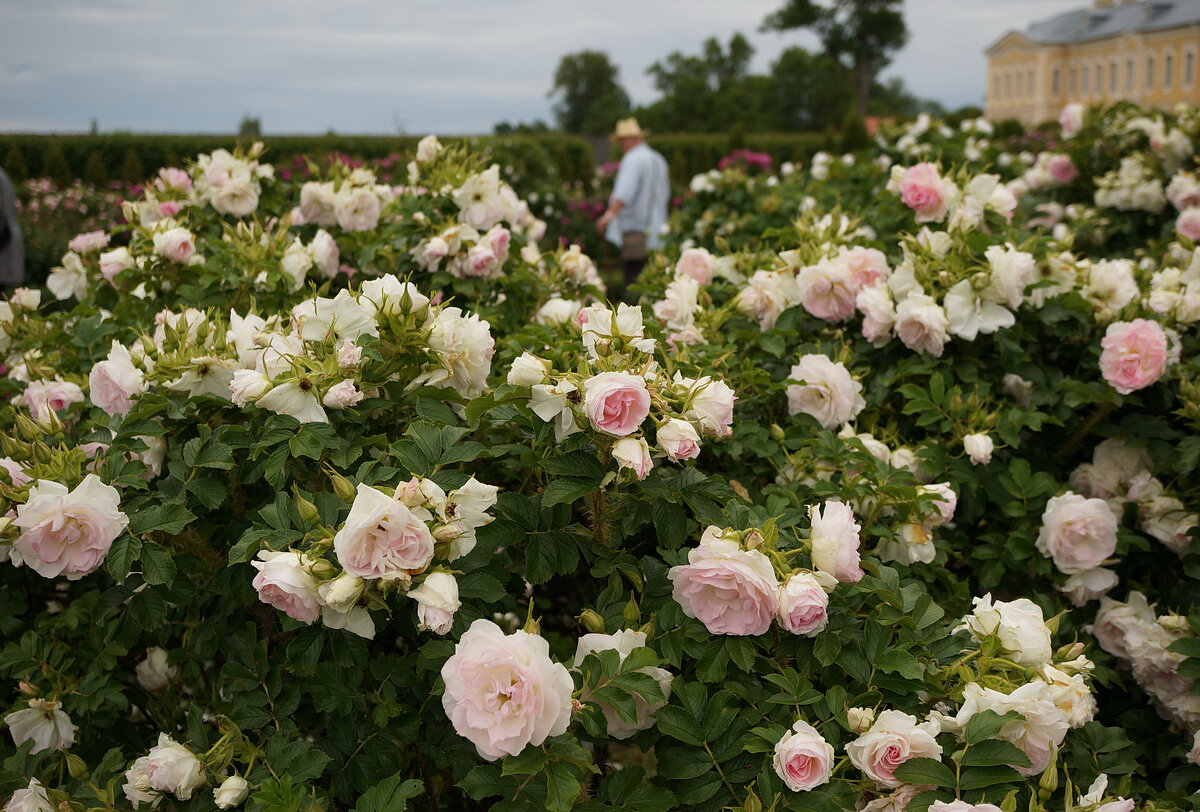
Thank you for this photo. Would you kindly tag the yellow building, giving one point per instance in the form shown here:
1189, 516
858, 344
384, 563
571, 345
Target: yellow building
1143, 51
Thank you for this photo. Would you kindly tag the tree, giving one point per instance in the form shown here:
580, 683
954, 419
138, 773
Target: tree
708, 92
591, 97
809, 92
860, 35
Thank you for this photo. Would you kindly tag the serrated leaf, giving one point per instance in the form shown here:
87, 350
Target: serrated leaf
994, 752
124, 551
979, 777
390, 795
678, 724
986, 724
157, 565
925, 771
166, 518
566, 490
562, 787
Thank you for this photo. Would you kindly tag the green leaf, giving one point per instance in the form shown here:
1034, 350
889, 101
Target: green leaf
678, 724
683, 763
199, 453
124, 551
979, 777
168, 518
311, 439
925, 771
900, 662
279, 796
529, 761
157, 565
566, 490
304, 650
986, 724
390, 795
482, 782
993, 753
302, 760
562, 787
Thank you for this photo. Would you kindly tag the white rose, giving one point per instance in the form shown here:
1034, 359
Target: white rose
828, 392
173, 768
153, 673
624, 642
1019, 624
529, 370
32, 798
437, 601
893, 739
44, 723
979, 448
232, 792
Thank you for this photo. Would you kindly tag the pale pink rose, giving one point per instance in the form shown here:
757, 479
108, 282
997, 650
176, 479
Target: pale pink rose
437, 601
1019, 624
879, 314
357, 208
316, 204
341, 395
324, 252
835, 541
173, 768
921, 324
174, 179
633, 453
503, 692
924, 191
696, 263
68, 532
616, 403
868, 266
1077, 533
710, 406
349, 355
114, 261
979, 448
1188, 223
803, 605
1086, 586
624, 642
498, 238
1134, 354
1193, 755
678, 440
15, 472
828, 391
1038, 733
44, 396
175, 244
763, 298
113, 383
169, 208
283, 581
827, 290
1071, 119
893, 739
1061, 168
88, 241
946, 502
803, 759
383, 538
728, 589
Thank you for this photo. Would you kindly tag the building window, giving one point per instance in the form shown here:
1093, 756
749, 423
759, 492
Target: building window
1129, 75
1071, 81
1083, 80
1112, 77
1055, 82
1099, 79
1149, 73
1189, 68
1007, 85
1168, 69
1029, 83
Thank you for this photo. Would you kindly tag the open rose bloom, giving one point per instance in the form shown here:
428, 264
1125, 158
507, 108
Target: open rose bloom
503, 692
728, 589
68, 532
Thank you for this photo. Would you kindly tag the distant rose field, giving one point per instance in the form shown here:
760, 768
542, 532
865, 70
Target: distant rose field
321, 492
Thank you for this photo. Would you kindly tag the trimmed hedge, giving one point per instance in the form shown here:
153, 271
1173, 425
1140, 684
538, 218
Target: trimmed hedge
130, 157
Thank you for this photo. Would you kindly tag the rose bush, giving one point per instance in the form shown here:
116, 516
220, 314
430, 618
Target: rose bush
884, 495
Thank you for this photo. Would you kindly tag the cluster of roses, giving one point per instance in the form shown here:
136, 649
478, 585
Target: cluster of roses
619, 386
390, 542
1183, 191
1014, 638
739, 582
1138, 637
504, 692
170, 767
571, 281
312, 365
681, 303
1079, 526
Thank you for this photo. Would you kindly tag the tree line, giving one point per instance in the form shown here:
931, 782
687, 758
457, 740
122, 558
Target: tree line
714, 90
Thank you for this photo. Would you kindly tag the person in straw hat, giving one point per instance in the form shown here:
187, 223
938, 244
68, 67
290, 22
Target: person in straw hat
637, 207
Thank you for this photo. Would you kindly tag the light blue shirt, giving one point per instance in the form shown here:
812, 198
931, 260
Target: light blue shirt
643, 185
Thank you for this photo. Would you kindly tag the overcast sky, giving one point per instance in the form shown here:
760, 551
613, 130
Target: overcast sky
412, 66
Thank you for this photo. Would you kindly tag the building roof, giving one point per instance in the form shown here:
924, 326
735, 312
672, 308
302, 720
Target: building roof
1094, 23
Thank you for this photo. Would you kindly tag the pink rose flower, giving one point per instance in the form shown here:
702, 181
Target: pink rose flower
803, 605
175, 244
383, 538
1061, 168
710, 405
169, 208
921, 324
867, 266
1188, 223
1134, 354
15, 472
341, 395
283, 581
961, 806
827, 290
835, 541
172, 178
696, 263
88, 241
1077, 533
924, 191
114, 261
828, 391
437, 601
728, 589
113, 383
803, 759
616, 403
678, 440
1193, 755
893, 739
43, 397
879, 314
1071, 119
633, 453
68, 532
503, 692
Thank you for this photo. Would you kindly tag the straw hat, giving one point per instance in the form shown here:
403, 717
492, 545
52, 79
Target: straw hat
628, 128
